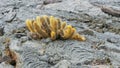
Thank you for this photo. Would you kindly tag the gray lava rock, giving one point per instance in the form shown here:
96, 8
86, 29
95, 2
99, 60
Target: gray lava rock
10, 16
101, 30
62, 64
112, 40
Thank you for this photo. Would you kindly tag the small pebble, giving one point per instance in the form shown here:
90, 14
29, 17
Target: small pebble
87, 32
23, 39
51, 1
19, 35
10, 16
112, 40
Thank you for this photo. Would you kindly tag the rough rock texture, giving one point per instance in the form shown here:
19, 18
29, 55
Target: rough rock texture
100, 50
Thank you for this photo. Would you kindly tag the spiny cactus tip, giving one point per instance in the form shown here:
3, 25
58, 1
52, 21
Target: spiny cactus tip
53, 35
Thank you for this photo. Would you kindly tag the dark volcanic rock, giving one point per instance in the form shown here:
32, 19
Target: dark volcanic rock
1, 31
2, 28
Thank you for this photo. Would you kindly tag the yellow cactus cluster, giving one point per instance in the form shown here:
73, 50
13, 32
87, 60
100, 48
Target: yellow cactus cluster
49, 26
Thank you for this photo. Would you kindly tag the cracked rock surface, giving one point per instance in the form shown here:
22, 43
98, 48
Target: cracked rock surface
102, 31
